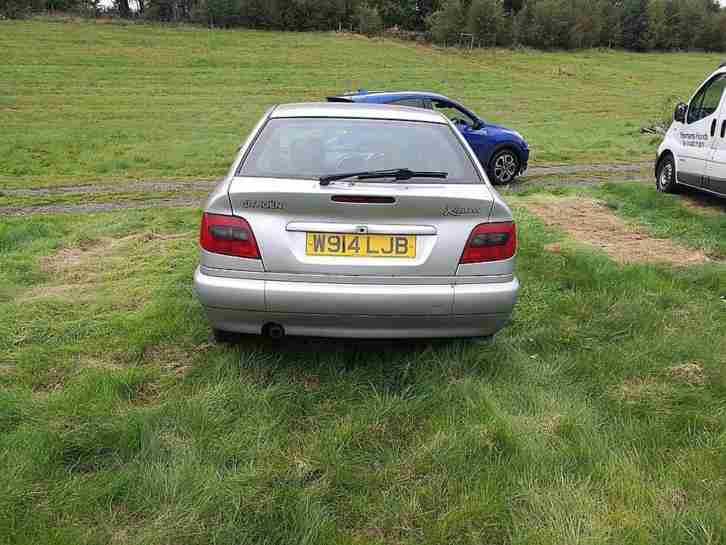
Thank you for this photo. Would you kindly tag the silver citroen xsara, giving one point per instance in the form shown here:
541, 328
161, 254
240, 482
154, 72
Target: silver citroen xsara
356, 220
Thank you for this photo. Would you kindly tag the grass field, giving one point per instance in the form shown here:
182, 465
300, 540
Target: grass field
597, 417
92, 101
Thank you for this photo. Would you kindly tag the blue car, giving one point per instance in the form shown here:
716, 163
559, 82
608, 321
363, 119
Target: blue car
503, 152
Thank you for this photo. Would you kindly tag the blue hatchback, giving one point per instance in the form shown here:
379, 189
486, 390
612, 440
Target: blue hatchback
503, 152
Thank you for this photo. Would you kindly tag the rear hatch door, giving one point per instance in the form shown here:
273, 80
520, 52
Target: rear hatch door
387, 229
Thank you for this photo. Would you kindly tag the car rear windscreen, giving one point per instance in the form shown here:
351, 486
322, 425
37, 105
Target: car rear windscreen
308, 148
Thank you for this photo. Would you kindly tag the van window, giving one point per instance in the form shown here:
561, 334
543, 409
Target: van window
707, 99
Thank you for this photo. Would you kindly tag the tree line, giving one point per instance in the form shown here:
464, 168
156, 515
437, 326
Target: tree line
639, 25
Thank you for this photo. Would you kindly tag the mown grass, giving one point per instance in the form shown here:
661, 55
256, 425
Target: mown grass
84, 101
596, 417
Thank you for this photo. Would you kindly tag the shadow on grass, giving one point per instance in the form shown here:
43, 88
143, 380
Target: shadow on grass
708, 202
392, 365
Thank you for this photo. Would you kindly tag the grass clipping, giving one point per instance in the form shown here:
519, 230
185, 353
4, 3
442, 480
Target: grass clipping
592, 223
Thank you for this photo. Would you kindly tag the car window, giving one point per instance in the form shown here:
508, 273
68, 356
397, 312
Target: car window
308, 148
453, 112
412, 102
707, 99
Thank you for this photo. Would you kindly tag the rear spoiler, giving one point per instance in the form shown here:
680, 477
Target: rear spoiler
339, 99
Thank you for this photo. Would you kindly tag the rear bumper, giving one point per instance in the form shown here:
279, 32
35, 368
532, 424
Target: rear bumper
357, 310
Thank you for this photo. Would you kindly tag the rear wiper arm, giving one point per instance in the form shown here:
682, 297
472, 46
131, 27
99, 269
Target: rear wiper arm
396, 173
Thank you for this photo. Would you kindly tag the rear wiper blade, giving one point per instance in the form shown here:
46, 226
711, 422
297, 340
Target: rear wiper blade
396, 173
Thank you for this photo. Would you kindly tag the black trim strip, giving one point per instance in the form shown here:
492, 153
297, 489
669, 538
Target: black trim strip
688, 179
705, 189
362, 199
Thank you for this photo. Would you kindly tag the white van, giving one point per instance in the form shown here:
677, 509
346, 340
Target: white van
693, 152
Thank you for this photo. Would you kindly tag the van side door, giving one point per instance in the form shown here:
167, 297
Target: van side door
716, 170
695, 136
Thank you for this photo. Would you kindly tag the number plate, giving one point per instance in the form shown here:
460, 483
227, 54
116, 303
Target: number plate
340, 245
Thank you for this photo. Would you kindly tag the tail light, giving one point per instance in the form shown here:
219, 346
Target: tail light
490, 242
228, 235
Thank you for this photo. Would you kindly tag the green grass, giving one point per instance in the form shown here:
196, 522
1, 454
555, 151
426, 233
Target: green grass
597, 417
121, 423
84, 101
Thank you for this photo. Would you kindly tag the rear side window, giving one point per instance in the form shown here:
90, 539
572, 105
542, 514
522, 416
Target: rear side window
412, 102
454, 113
308, 148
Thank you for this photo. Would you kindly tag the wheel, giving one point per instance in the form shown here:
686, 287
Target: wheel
665, 180
224, 337
504, 167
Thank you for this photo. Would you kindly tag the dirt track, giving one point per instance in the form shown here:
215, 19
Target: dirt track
96, 207
122, 187
592, 223
536, 176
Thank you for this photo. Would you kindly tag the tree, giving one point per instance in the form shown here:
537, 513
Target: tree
551, 23
636, 25
124, 10
611, 31
690, 23
485, 20
512, 7
424, 8
588, 24
401, 13
369, 20
658, 27
446, 24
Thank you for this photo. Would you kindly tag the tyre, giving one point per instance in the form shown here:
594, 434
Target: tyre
665, 179
225, 337
504, 167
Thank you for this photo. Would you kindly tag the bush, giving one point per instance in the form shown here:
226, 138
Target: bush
639, 25
552, 24
17, 9
446, 24
485, 20
636, 25
369, 20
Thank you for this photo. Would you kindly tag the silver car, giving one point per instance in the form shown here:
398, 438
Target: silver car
356, 220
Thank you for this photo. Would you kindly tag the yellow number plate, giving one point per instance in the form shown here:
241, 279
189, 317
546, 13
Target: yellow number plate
339, 245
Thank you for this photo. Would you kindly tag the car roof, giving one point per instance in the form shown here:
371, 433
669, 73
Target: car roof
392, 94
356, 110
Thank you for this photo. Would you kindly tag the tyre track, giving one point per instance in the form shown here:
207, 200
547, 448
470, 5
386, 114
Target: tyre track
172, 185
99, 207
128, 187
536, 177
